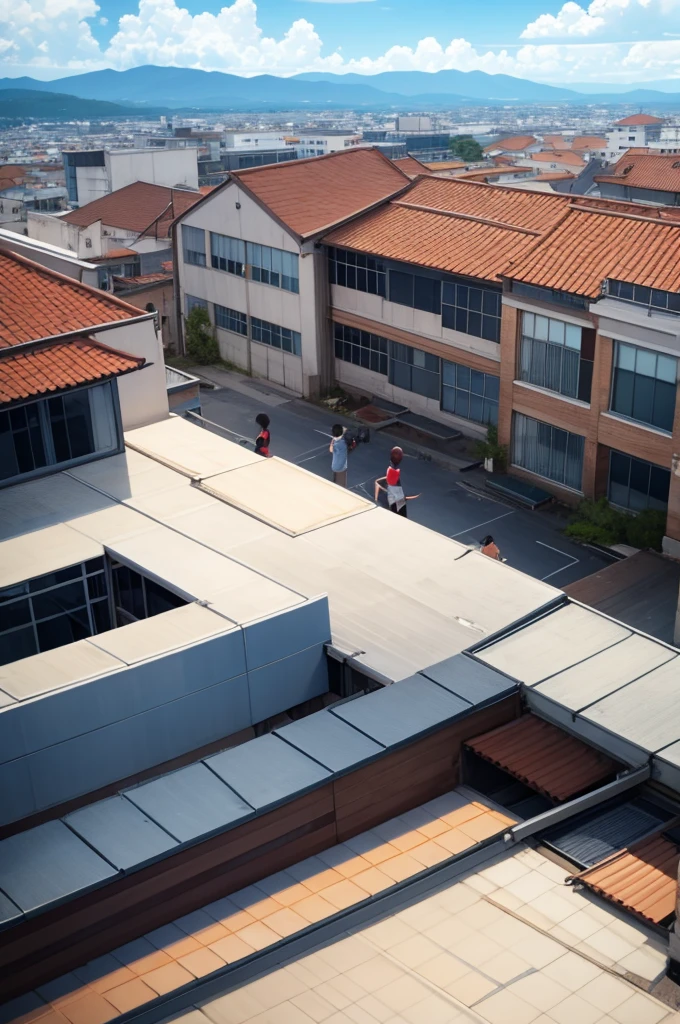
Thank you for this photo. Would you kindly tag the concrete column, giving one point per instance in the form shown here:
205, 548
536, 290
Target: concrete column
509, 340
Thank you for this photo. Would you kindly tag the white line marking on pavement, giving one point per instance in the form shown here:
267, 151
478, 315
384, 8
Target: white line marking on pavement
558, 552
308, 459
322, 432
477, 525
317, 448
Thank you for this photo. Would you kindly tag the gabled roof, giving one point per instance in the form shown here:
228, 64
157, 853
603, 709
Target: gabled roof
36, 303
588, 246
557, 141
135, 207
659, 171
310, 195
589, 142
513, 144
411, 166
558, 156
59, 365
636, 120
443, 165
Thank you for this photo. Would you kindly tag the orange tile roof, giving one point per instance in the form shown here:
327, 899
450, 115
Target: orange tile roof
588, 246
11, 174
589, 142
635, 120
310, 195
444, 165
553, 176
561, 156
642, 879
409, 165
544, 757
494, 172
134, 207
60, 365
114, 254
658, 171
39, 303
556, 141
514, 143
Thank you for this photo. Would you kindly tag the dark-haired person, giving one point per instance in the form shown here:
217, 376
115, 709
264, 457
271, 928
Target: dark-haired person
263, 439
393, 486
338, 449
490, 548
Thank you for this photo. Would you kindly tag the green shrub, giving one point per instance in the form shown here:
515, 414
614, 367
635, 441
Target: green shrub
596, 522
646, 529
202, 347
491, 449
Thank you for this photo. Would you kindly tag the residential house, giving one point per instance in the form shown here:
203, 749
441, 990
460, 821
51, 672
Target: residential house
643, 178
513, 145
634, 130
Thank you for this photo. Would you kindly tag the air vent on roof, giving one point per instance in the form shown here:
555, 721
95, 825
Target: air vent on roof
676, 165
627, 169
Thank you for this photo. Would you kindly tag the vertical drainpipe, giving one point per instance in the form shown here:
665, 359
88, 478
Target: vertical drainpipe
178, 294
673, 969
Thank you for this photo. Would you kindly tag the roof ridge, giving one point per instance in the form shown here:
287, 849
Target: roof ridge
467, 216
539, 241
625, 216
308, 159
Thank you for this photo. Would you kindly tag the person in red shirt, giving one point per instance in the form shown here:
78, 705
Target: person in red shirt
393, 488
263, 439
490, 548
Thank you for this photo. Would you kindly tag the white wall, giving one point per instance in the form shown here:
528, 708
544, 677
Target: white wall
157, 166
51, 256
46, 227
143, 394
92, 183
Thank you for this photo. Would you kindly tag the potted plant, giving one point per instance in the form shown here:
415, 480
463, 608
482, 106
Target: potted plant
494, 454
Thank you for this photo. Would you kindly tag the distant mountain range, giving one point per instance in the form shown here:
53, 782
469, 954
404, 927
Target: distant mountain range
57, 106
149, 86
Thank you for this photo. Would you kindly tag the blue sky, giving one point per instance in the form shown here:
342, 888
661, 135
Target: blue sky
612, 41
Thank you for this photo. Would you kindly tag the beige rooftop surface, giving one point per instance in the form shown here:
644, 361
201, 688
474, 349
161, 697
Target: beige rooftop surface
174, 442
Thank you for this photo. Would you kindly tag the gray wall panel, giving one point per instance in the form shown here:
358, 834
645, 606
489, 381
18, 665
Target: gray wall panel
280, 636
283, 684
16, 790
138, 688
119, 831
330, 741
477, 683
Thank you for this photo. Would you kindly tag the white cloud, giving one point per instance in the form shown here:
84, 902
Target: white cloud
603, 17
52, 37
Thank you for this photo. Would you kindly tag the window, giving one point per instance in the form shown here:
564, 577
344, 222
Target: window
531, 291
136, 597
273, 266
636, 484
653, 298
50, 611
557, 356
355, 270
414, 370
644, 385
191, 301
231, 320
227, 254
58, 430
471, 310
193, 242
361, 348
547, 451
416, 291
469, 393
277, 337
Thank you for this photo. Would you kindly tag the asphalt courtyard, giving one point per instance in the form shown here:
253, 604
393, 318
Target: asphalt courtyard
530, 541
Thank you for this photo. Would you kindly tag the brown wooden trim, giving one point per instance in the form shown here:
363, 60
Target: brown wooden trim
435, 348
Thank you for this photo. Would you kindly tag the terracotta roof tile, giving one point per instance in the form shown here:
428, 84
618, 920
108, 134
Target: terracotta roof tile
635, 120
642, 879
134, 207
113, 254
487, 175
444, 165
60, 365
650, 170
310, 195
409, 165
39, 303
544, 757
514, 143
141, 279
562, 156
588, 246
589, 142
11, 174
553, 176
557, 141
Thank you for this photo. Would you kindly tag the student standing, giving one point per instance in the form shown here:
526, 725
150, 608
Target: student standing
393, 485
338, 449
263, 439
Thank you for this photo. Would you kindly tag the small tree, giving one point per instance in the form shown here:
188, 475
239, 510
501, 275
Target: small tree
466, 148
492, 449
202, 346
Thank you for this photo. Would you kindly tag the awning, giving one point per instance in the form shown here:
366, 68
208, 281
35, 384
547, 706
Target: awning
642, 879
544, 757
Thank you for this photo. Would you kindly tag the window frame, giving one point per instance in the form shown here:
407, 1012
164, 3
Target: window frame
552, 428
643, 462
613, 382
215, 257
350, 261
471, 284
57, 467
356, 341
186, 251
266, 326
447, 387
552, 352
231, 314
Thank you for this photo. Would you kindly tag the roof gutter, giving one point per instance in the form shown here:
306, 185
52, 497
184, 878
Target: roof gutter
626, 780
25, 346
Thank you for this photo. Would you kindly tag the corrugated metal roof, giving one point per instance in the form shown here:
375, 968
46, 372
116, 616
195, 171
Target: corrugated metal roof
330, 741
642, 879
557, 641
120, 832
544, 757
591, 837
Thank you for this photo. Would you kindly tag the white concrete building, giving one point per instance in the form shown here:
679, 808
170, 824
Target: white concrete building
91, 174
635, 132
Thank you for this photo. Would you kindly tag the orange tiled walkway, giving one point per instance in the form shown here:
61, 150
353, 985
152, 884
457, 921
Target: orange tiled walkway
256, 917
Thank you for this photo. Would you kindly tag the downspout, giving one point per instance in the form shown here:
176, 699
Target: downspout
181, 347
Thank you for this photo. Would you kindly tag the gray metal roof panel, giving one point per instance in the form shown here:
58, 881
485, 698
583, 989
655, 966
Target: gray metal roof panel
592, 837
403, 711
267, 771
9, 911
191, 803
645, 712
47, 864
119, 831
477, 683
330, 741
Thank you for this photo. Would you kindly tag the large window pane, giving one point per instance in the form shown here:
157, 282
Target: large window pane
469, 393
342, 269
644, 385
193, 245
228, 254
401, 288
550, 356
636, 484
471, 310
548, 451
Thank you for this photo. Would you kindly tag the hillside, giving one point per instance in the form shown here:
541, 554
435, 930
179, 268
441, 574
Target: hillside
23, 103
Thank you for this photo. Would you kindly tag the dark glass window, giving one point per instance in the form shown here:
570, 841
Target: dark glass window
361, 348
231, 320
530, 291
469, 393
556, 355
644, 385
356, 270
193, 244
472, 310
277, 337
637, 485
654, 298
273, 266
548, 451
136, 597
413, 370
228, 254
415, 290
